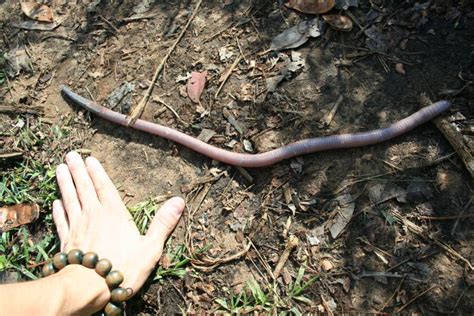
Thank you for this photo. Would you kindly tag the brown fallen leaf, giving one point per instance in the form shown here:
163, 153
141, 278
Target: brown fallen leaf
17, 215
37, 11
36, 26
338, 22
196, 85
399, 68
311, 6
246, 92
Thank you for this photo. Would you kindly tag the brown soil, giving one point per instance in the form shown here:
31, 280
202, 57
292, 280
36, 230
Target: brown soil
376, 263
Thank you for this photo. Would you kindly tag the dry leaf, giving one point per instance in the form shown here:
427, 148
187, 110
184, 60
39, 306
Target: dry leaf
339, 22
344, 213
37, 11
399, 68
297, 35
246, 92
346, 4
196, 85
36, 26
17, 215
311, 6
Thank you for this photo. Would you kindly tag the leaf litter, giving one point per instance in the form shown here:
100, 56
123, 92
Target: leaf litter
196, 85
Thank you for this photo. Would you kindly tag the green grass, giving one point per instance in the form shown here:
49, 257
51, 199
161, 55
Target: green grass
253, 298
179, 262
143, 212
31, 179
296, 289
177, 256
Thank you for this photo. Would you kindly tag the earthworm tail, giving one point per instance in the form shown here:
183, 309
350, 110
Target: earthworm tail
268, 158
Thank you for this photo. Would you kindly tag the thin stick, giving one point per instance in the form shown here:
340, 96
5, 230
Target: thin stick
330, 115
109, 24
245, 174
415, 298
172, 110
462, 214
228, 73
443, 218
417, 230
11, 155
392, 296
138, 110
292, 243
454, 137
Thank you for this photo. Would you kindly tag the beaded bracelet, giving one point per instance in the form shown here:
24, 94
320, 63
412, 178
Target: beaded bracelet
103, 267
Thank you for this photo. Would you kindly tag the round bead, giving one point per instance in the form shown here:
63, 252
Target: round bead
74, 256
118, 295
112, 309
90, 259
103, 267
113, 279
48, 269
60, 260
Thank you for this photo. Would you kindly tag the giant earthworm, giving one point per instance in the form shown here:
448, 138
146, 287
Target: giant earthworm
271, 157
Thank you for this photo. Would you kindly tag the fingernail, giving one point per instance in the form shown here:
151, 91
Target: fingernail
178, 204
92, 162
73, 156
57, 204
61, 169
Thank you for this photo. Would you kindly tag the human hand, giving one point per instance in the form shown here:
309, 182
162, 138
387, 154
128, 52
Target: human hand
91, 216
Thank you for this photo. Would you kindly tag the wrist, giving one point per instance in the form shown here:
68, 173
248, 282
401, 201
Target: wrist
85, 292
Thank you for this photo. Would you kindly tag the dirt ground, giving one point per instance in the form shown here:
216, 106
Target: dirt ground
385, 228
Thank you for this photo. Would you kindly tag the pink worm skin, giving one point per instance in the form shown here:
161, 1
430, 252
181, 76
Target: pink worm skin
271, 157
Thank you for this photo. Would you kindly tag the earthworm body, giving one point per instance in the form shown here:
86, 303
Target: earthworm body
271, 157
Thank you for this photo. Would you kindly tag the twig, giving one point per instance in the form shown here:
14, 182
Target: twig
207, 265
459, 299
138, 18
109, 24
263, 262
245, 174
228, 73
138, 110
229, 25
417, 230
292, 243
9, 86
462, 213
10, 155
20, 110
172, 110
444, 218
454, 137
392, 296
326, 306
416, 256
330, 116
415, 298
58, 36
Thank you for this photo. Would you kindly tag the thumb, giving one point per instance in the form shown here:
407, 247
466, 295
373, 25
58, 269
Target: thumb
165, 221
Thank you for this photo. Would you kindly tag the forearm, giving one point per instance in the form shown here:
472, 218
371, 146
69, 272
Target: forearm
73, 290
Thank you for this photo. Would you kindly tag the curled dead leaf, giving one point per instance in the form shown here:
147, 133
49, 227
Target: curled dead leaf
196, 85
339, 22
326, 265
311, 6
37, 11
400, 69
